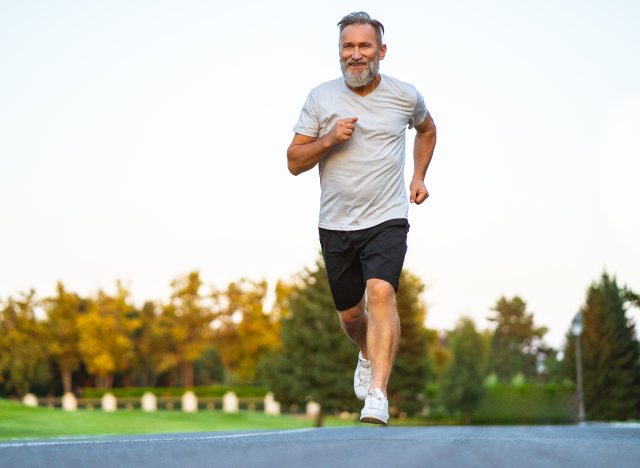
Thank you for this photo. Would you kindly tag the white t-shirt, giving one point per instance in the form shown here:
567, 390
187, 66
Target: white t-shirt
362, 180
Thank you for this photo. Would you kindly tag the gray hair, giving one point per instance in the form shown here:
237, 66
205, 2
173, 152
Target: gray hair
360, 17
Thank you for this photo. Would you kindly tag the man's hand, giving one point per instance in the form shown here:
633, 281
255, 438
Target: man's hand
304, 152
418, 191
342, 130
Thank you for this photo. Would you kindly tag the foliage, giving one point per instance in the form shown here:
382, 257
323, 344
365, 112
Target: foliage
105, 335
185, 322
62, 332
316, 361
516, 341
462, 385
526, 404
245, 332
201, 391
411, 368
610, 353
21, 343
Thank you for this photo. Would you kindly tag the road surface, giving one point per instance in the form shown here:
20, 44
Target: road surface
531, 446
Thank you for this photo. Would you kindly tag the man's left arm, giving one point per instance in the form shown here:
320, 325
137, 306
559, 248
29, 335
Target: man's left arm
423, 147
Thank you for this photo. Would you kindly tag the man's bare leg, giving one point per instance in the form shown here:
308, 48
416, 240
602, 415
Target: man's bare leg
383, 331
354, 323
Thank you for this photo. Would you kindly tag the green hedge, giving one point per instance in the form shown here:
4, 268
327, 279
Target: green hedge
527, 404
206, 391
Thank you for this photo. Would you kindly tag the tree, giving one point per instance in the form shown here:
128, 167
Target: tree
316, 361
462, 385
408, 380
516, 341
21, 343
62, 333
151, 342
246, 333
610, 353
186, 320
106, 330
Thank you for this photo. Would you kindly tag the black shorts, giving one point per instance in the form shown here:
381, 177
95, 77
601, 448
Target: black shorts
353, 257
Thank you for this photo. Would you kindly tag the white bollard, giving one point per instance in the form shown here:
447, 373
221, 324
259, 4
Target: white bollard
313, 409
271, 406
30, 400
109, 402
69, 402
189, 402
230, 403
149, 402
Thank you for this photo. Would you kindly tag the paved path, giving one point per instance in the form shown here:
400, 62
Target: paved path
389, 447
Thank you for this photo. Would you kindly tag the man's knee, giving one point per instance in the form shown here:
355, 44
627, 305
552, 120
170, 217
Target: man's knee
379, 291
352, 315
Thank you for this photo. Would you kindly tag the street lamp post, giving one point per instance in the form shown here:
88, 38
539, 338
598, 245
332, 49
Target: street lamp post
576, 329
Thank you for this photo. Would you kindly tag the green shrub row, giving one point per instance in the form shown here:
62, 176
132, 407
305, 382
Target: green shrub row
527, 404
204, 391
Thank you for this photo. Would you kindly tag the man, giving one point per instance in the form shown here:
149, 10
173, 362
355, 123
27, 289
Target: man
354, 127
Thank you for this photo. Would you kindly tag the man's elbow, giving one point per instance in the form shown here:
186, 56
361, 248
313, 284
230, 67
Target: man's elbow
294, 168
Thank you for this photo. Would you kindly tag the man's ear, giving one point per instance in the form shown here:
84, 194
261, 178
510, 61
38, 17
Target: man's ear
383, 51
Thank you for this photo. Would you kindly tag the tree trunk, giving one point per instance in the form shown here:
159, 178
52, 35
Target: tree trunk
66, 381
187, 374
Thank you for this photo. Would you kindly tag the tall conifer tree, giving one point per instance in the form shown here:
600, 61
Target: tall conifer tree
610, 353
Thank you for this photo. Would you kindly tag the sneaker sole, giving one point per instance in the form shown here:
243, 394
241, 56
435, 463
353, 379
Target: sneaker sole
372, 420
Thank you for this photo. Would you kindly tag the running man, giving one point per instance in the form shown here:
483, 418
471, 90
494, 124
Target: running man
354, 128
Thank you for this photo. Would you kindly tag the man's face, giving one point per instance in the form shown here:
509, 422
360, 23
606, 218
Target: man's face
360, 54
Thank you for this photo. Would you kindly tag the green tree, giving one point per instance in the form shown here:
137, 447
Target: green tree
516, 341
246, 333
316, 361
610, 353
62, 333
21, 343
462, 385
411, 369
106, 330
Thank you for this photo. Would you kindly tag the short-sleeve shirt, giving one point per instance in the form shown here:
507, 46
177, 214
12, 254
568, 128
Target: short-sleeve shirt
362, 179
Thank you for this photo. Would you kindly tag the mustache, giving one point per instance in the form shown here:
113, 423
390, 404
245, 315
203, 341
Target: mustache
357, 62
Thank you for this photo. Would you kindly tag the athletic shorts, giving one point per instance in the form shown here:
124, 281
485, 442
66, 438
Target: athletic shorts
353, 257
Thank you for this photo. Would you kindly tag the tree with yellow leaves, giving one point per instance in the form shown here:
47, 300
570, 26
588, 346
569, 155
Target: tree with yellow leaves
106, 329
62, 333
21, 343
245, 332
185, 322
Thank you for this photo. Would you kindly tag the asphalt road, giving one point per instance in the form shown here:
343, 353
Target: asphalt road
537, 446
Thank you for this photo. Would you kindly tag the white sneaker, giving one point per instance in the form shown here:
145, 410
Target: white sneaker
376, 408
362, 377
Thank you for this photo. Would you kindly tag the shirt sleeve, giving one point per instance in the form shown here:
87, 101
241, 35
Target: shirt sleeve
420, 111
308, 122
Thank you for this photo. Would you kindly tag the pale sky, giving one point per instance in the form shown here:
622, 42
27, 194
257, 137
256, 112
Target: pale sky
140, 140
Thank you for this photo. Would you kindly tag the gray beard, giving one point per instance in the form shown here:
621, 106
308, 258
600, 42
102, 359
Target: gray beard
364, 78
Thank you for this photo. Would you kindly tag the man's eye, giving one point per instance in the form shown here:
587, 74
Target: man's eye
347, 46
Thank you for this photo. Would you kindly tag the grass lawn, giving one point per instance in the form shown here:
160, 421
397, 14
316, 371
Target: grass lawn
19, 421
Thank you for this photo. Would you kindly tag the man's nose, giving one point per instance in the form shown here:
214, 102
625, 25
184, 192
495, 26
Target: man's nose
356, 53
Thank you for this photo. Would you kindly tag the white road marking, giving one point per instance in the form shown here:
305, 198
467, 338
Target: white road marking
156, 439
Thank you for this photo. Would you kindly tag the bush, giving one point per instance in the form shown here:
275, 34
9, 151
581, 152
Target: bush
526, 404
204, 391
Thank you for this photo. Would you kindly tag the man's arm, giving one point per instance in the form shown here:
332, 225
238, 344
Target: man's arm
423, 147
304, 152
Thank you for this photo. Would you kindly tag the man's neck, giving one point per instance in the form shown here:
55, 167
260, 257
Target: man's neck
368, 88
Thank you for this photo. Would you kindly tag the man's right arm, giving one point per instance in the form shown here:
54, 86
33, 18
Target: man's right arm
304, 152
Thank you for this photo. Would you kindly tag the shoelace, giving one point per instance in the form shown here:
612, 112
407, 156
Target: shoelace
375, 402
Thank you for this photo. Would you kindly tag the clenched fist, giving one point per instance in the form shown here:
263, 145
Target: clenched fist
342, 130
